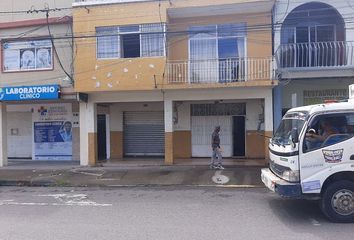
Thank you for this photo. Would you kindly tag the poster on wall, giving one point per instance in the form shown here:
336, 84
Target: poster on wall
52, 132
27, 55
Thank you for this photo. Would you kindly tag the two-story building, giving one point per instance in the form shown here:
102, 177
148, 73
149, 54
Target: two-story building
37, 98
160, 75
314, 52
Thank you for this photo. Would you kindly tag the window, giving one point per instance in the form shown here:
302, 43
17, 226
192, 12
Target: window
30, 55
107, 42
217, 41
130, 45
217, 52
329, 129
131, 41
292, 123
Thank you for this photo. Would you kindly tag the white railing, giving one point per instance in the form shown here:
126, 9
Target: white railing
107, 1
315, 55
219, 70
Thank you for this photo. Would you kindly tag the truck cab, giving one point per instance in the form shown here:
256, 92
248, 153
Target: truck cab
312, 157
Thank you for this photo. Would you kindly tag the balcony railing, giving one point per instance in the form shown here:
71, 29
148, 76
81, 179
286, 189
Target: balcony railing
315, 55
219, 70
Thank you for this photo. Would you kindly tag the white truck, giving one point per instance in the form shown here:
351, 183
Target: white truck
312, 157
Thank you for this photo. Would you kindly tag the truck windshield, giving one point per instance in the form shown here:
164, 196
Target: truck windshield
290, 126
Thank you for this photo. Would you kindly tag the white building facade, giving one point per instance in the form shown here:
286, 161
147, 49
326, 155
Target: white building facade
314, 52
38, 102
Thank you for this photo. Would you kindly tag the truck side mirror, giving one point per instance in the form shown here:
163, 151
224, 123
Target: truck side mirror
294, 137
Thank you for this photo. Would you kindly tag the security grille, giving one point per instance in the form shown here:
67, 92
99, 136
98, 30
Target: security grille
218, 109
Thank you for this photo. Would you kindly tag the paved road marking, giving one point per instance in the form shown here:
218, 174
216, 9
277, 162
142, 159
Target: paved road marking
88, 173
218, 178
314, 222
62, 200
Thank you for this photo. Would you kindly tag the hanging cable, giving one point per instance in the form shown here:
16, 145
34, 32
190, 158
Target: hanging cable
55, 50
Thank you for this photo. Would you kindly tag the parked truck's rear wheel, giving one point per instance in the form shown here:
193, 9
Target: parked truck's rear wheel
338, 201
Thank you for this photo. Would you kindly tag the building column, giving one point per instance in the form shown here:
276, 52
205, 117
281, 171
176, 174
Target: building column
88, 134
278, 105
3, 135
168, 110
182, 136
116, 132
268, 121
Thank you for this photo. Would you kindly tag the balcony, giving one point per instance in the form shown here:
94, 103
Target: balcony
78, 3
219, 70
315, 59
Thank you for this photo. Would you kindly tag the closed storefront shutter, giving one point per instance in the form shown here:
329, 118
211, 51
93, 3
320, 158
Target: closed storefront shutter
202, 129
144, 134
19, 134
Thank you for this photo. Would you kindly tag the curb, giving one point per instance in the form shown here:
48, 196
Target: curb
24, 183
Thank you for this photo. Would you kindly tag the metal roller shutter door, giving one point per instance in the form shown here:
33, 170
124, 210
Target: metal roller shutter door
144, 134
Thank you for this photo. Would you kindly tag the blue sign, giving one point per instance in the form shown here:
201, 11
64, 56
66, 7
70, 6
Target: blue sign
53, 140
43, 92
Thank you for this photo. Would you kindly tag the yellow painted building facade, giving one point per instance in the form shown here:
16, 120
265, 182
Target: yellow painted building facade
160, 74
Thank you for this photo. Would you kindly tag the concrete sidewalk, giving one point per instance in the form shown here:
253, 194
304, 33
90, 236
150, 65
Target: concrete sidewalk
111, 175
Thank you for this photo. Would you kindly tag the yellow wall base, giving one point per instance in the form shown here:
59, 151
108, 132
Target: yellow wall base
169, 148
116, 145
182, 144
92, 151
255, 144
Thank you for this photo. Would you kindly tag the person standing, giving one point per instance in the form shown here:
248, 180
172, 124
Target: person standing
216, 158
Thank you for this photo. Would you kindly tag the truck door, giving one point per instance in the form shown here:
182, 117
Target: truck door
328, 141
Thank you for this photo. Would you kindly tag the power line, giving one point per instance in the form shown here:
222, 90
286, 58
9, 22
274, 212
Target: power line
164, 32
55, 50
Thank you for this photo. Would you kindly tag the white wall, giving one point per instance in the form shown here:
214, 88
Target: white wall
147, 101
183, 116
253, 110
19, 134
17, 5
19, 119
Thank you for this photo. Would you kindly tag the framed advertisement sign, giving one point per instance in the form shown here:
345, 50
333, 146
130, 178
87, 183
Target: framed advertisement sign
52, 131
29, 55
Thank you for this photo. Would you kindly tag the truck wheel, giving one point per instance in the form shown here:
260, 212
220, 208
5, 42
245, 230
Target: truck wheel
338, 201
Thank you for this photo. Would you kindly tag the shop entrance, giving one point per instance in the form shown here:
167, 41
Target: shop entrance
230, 117
101, 137
144, 134
238, 136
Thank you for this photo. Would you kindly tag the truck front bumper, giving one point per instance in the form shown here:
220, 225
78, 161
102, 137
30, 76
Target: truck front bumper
280, 186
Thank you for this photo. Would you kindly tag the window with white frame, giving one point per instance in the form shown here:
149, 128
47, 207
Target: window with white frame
27, 55
216, 52
131, 41
217, 41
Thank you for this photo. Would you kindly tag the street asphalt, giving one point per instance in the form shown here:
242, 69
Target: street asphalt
160, 213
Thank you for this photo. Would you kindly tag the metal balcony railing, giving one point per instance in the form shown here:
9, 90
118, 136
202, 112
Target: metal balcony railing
315, 55
95, 2
219, 70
